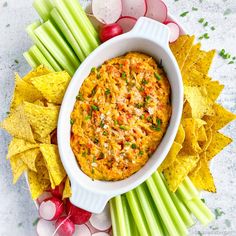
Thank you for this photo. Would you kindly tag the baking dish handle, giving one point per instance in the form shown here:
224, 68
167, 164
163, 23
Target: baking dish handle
87, 200
152, 30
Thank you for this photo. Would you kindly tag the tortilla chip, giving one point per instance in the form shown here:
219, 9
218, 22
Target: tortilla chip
178, 45
221, 117
193, 77
52, 86
190, 145
187, 110
178, 171
205, 144
180, 135
39, 103
18, 125
214, 89
46, 139
67, 190
202, 137
202, 178
17, 146
53, 162
218, 143
171, 156
18, 167
29, 158
24, 92
42, 119
40, 70
199, 101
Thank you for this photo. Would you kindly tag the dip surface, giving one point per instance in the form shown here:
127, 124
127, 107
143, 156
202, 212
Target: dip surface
121, 113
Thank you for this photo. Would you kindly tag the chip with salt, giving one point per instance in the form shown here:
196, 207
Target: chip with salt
52, 85
29, 158
180, 136
178, 45
202, 137
67, 189
205, 144
18, 167
214, 89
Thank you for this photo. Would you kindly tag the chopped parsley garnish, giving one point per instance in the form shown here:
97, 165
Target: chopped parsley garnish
158, 77
218, 212
184, 14
72, 121
141, 89
201, 20
156, 127
144, 81
224, 55
122, 127
123, 75
102, 124
107, 92
147, 98
204, 36
93, 69
92, 171
94, 108
133, 146
80, 97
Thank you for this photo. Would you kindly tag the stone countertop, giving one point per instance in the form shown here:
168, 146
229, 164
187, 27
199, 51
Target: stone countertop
17, 209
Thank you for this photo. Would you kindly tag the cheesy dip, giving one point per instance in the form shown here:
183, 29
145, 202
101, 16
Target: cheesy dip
121, 113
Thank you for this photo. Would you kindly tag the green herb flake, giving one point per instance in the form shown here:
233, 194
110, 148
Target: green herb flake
155, 127
95, 108
93, 91
96, 141
141, 153
201, 20
88, 117
231, 62
213, 28
127, 143
105, 133
98, 76
80, 97
107, 92
218, 212
93, 69
115, 122
84, 154
102, 124
224, 55
123, 75
234, 58
194, 9
203, 200
204, 36
147, 98
92, 171
144, 81
133, 146
72, 121
16, 61
35, 222
142, 117
157, 76
122, 127
184, 14
205, 24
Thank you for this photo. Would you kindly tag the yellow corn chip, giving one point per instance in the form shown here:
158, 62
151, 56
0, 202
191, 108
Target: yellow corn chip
199, 101
40, 70
46, 139
202, 177
171, 156
214, 89
193, 77
205, 144
202, 137
187, 110
218, 143
178, 45
53, 162
179, 169
18, 167
180, 135
43, 120
18, 125
67, 190
52, 86
39, 103
29, 158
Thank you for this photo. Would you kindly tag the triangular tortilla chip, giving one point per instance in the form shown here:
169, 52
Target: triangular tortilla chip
24, 92
18, 125
42, 119
205, 144
18, 167
67, 190
53, 162
218, 143
214, 89
179, 169
171, 156
199, 101
202, 137
46, 139
193, 77
17, 146
29, 158
178, 45
187, 110
52, 86
180, 135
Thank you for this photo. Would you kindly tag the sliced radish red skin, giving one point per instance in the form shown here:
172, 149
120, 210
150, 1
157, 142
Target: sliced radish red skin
110, 31
157, 10
64, 226
77, 215
107, 12
134, 8
174, 30
51, 209
127, 23
43, 197
58, 190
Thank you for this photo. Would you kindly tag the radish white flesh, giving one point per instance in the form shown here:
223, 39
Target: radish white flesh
43, 196
51, 209
96, 23
82, 230
127, 23
64, 226
133, 8
107, 12
157, 10
101, 234
101, 221
45, 228
174, 31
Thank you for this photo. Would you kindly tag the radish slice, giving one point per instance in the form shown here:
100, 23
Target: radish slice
174, 31
64, 226
58, 190
134, 8
96, 23
45, 228
107, 12
82, 230
51, 209
157, 10
43, 197
101, 221
127, 23
101, 234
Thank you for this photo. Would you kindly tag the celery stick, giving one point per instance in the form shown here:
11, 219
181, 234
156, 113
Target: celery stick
38, 54
169, 204
137, 213
67, 33
184, 193
83, 22
113, 211
154, 227
30, 30
56, 45
31, 60
170, 226
43, 7
183, 211
127, 216
72, 25
190, 187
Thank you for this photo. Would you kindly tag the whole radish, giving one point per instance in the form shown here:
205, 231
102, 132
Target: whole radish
58, 190
51, 208
77, 215
110, 31
64, 226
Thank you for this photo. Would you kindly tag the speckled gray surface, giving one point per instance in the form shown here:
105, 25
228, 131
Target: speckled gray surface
17, 211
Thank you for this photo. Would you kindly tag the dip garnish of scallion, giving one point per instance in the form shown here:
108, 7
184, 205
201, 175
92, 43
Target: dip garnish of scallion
122, 127
133, 146
72, 121
107, 92
94, 108
158, 77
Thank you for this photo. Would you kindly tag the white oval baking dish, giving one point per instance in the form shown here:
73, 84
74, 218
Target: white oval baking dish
147, 36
